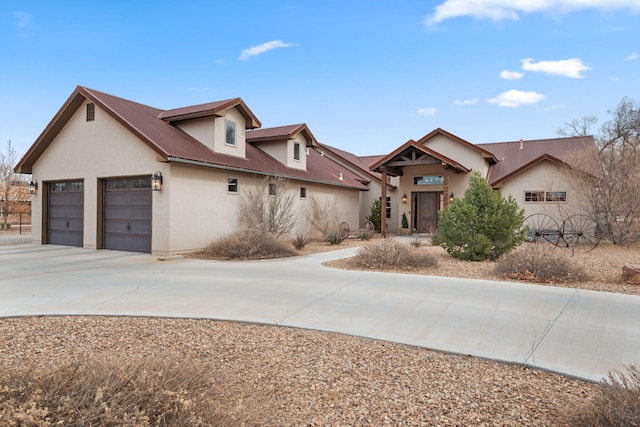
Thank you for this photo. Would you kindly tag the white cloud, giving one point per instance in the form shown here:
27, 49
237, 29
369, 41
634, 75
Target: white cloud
466, 101
633, 56
427, 112
499, 10
516, 98
614, 78
567, 67
511, 75
260, 49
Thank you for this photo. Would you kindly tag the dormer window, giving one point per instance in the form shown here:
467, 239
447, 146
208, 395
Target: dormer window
230, 132
296, 151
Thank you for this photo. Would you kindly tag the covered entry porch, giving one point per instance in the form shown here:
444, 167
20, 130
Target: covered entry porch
425, 178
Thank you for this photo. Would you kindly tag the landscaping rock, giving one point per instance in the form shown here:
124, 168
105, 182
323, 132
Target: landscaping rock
631, 274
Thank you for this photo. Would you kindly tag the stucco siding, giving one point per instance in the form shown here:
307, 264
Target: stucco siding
465, 155
202, 209
90, 150
544, 176
219, 140
202, 129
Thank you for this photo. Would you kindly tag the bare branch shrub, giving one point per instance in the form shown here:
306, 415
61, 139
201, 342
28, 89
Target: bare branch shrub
300, 240
270, 207
324, 216
389, 253
248, 244
538, 261
167, 391
617, 405
13, 189
607, 181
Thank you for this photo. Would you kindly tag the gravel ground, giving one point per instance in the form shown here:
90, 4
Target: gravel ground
294, 377
297, 377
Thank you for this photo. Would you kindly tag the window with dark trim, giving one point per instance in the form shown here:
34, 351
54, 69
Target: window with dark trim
303, 192
230, 132
545, 196
232, 185
388, 204
272, 189
556, 196
428, 180
296, 151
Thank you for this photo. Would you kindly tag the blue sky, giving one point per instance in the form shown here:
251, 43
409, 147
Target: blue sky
365, 76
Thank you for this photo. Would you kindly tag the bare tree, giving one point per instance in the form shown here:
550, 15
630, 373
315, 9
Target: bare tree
12, 186
270, 207
609, 188
324, 216
578, 127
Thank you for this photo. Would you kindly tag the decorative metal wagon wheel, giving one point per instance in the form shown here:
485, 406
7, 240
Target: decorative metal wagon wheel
575, 232
368, 229
581, 232
343, 230
542, 229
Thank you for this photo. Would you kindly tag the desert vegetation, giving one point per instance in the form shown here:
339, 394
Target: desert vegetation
247, 244
482, 225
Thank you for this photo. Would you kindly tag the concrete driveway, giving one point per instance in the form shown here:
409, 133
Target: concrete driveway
578, 333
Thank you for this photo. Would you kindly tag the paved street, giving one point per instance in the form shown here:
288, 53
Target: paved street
575, 332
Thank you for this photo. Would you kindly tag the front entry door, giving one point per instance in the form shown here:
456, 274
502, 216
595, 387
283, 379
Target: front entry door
426, 211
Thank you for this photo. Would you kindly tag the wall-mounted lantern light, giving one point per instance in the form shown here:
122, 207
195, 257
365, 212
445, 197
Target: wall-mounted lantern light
156, 181
450, 197
33, 187
404, 198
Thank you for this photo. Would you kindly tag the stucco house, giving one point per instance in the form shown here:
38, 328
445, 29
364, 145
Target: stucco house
109, 173
435, 169
115, 174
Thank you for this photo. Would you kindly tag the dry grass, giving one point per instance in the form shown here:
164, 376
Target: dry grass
602, 265
539, 263
115, 391
247, 244
616, 405
388, 253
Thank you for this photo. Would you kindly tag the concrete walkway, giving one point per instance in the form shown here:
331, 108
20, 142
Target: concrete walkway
578, 333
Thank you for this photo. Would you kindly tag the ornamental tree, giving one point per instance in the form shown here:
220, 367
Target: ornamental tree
482, 225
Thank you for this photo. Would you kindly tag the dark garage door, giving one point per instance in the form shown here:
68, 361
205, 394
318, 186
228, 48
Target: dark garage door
65, 213
127, 214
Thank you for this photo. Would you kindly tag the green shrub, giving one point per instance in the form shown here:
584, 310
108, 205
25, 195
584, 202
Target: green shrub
404, 220
541, 262
376, 215
333, 238
173, 391
482, 225
364, 235
4, 226
249, 244
389, 253
616, 405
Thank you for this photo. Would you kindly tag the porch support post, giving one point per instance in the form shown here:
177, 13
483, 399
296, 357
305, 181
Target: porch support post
445, 187
383, 205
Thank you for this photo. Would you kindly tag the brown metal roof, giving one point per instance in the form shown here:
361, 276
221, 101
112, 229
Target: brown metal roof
211, 109
413, 145
485, 153
512, 159
175, 145
353, 160
281, 133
